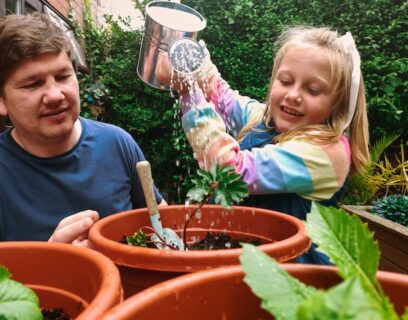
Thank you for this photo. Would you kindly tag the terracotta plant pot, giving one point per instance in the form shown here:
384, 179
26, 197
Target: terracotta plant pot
222, 294
283, 238
83, 282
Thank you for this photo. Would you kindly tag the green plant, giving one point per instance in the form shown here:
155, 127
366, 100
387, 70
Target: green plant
393, 207
139, 239
17, 301
380, 177
358, 296
221, 183
394, 174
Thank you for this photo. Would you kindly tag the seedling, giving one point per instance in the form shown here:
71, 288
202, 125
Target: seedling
350, 245
222, 184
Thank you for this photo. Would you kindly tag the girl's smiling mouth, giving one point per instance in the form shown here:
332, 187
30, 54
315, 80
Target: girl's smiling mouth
291, 112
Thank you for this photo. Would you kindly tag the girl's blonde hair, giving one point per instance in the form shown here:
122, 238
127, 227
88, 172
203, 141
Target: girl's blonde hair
327, 42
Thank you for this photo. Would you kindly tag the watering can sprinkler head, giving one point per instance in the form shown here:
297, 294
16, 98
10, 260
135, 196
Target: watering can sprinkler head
186, 56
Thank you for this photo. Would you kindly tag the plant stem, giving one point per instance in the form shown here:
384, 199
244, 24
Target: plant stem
192, 214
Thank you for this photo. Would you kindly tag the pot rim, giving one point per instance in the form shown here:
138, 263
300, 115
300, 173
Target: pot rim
189, 261
152, 295
108, 294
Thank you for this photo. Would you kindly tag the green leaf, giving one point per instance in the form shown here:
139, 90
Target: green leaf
350, 245
223, 182
348, 242
17, 301
281, 293
197, 194
4, 274
139, 239
405, 315
347, 300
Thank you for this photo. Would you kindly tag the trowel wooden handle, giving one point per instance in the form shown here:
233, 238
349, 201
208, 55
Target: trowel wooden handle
145, 176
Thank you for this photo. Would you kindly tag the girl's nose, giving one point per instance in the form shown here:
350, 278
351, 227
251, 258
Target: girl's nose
53, 94
294, 95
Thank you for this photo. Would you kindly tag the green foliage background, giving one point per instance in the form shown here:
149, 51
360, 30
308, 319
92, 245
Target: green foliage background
240, 36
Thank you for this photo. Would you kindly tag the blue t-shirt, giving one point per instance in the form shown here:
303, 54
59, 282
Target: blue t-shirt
99, 173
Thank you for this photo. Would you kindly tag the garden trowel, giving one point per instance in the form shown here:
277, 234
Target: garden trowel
165, 235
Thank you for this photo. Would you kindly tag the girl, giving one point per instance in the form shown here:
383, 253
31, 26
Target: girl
302, 143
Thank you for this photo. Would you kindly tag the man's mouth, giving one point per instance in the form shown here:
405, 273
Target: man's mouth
54, 112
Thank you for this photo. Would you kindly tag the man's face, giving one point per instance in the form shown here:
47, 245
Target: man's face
41, 97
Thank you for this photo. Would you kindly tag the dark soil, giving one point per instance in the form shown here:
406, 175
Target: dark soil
217, 241
212, 241
55, 314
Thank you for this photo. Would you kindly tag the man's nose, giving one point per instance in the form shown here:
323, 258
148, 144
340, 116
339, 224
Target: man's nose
53, 93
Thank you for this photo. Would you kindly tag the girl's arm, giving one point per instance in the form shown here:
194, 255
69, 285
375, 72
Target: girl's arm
297, 166
235, 110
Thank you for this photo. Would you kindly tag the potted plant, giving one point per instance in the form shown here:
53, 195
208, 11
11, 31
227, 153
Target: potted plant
379, 197
281, 236
82, 282
288, 291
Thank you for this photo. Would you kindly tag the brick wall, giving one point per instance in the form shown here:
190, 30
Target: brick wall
63, 7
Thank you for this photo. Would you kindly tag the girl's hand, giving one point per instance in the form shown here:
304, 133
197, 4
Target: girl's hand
74, 228
207, 76
166, 76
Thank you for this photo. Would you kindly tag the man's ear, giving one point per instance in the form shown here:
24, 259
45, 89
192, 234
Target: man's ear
3, 109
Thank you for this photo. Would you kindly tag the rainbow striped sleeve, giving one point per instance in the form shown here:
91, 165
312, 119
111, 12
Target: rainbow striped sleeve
297, 166
235, 110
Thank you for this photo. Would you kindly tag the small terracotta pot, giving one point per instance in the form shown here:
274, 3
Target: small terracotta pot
221, 293
283, 238
81, 281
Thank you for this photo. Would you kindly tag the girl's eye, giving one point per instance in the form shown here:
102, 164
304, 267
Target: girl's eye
285, 82
313, 91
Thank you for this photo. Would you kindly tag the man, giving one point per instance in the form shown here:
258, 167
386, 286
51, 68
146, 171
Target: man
59, 172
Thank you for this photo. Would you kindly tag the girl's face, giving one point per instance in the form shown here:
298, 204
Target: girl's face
301, 93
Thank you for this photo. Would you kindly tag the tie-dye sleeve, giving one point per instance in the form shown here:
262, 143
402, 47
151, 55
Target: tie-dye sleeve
298, 166
235, 110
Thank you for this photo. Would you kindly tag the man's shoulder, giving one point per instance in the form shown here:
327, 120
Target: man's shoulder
93, 127
106, 133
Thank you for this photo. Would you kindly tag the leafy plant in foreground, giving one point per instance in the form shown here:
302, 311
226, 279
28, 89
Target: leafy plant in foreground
16, 300
350, 245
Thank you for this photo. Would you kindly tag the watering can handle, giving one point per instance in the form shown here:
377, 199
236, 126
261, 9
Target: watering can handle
145, 176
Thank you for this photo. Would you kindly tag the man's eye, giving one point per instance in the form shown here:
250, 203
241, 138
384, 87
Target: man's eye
63, 77
31, 85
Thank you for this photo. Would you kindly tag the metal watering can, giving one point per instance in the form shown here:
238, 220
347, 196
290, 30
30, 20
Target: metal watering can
170, 27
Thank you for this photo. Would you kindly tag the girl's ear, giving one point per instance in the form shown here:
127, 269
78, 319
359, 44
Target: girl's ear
3, 109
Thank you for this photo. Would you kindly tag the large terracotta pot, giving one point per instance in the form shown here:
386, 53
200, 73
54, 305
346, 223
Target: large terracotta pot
283, 237
83, 282
221, 293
